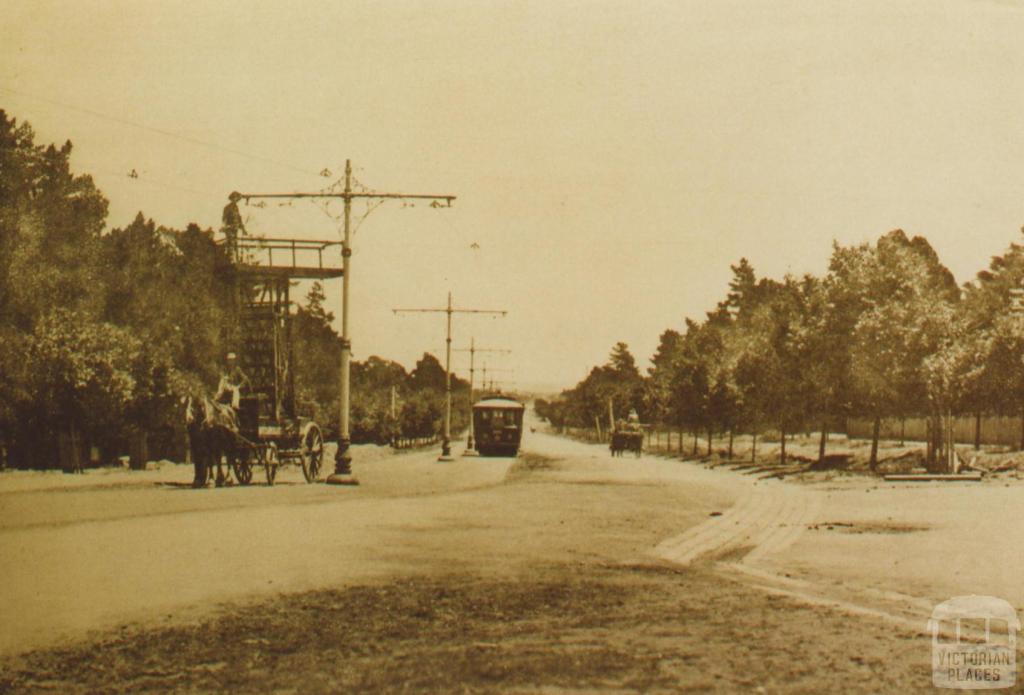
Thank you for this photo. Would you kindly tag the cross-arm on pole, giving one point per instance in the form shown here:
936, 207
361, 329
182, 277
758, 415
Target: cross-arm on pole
343, 457
449, 311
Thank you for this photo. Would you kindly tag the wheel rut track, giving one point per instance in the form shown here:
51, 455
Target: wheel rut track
767, 518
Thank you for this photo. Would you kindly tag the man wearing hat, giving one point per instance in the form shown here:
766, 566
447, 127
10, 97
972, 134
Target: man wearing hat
232, 381
231, 223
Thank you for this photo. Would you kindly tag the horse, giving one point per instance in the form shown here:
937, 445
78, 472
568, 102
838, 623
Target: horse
212, 435
626, 441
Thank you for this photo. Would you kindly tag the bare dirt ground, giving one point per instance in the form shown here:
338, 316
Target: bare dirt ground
843, 537
561, 571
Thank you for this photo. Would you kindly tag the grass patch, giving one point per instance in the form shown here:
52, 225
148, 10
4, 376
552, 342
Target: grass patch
631, 628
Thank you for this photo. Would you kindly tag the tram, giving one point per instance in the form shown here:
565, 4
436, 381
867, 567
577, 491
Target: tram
498, 425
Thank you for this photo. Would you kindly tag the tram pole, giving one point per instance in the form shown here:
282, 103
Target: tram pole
470, 444
343, 458
446, 440
472, 350
446, 444
490, 384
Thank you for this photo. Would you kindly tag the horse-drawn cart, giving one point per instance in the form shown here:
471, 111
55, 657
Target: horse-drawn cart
626, 440
275, 442
267, 431
626, 435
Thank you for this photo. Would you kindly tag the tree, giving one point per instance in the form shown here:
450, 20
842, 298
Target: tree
907, 300
83, 374
316, 353
617, 384
50, 222
824, 342
659, 374
158, 286
771, 358
428, 374
990, 318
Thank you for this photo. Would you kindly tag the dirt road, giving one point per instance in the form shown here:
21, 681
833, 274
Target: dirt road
139, 546
564, 568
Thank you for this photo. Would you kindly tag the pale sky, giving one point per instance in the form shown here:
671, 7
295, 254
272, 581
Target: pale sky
611, 159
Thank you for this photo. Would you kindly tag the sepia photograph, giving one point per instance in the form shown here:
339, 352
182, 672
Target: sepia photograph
511, 346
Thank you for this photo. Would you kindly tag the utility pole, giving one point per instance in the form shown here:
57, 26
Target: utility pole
343, 459
393, 422
493, 370
472, 350
446, 449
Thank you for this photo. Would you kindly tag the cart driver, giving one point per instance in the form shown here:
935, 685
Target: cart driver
232, 381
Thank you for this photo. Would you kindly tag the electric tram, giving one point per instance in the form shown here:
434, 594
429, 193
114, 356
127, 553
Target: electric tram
498, 425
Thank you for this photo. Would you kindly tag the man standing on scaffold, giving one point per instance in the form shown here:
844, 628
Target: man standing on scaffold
231, 224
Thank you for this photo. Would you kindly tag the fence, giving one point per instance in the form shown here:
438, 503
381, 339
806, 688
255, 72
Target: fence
670, 441
413, 442
664, 441
1006, 431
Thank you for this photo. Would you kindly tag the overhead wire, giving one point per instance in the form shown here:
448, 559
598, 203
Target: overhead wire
161, 131
144, 178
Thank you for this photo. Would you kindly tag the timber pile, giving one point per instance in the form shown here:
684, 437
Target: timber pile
929, 477
832, 462
782, 472
901, 464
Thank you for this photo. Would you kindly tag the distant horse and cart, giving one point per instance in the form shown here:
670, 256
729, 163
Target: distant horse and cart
623, 441
627, 435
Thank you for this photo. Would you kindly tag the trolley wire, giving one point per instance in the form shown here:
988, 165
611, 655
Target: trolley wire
161, 131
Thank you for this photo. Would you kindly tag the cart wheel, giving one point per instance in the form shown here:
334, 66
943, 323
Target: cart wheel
312, 453
241, 464
270, 462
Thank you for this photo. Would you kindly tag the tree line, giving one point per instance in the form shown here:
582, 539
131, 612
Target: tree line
885, 333
102, 332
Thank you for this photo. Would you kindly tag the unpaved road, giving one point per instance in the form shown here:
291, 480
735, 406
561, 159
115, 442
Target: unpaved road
564, 569
134, 549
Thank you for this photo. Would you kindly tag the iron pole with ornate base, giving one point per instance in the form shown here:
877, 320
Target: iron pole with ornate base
342, 457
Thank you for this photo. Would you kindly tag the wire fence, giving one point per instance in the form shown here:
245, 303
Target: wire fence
988, 429
414, 442
656, 440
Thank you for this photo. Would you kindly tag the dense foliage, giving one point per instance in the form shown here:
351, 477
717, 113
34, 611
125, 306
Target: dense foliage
885, 333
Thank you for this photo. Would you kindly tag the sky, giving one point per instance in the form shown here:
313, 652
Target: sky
610, 160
